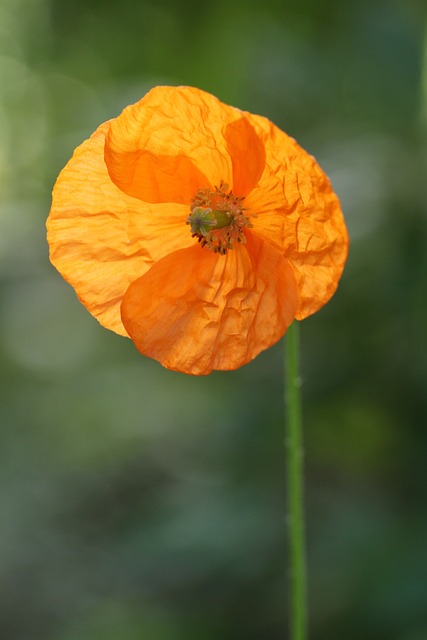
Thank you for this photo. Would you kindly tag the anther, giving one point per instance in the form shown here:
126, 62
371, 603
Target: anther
217, 219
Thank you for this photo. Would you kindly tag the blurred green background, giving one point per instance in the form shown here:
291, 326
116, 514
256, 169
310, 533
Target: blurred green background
139, 503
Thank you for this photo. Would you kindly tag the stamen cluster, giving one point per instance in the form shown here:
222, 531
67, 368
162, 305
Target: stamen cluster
217, 219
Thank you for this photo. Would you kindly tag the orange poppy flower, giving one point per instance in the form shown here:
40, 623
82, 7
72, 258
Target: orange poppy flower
199, 230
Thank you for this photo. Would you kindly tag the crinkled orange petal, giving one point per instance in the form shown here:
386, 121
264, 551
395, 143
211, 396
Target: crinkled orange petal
299, 214
195, 311
102, 240
176, 140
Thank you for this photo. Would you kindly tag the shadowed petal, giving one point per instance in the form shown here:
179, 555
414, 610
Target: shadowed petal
247, 155
169, 144
102, 240
195, 311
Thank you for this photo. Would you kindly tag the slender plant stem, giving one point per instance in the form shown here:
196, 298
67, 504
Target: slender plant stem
295, 480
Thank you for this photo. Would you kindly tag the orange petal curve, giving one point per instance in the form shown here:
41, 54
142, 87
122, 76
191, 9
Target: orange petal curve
299, 214
102, 240
247, 153
176, 140
195, 311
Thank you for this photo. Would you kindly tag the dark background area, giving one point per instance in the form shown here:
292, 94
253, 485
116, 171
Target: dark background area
140, 503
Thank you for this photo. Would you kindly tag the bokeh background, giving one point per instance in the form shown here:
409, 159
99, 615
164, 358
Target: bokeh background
137, 503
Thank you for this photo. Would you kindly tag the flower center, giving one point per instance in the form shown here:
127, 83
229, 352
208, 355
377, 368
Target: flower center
217, 219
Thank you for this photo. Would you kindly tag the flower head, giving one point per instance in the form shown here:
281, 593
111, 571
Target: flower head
199, 230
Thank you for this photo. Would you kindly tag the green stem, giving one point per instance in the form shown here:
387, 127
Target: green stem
295, 471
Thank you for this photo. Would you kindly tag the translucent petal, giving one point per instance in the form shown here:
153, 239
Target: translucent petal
299, 214
102, 240
195, 311
176, 140
247, 155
